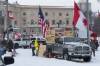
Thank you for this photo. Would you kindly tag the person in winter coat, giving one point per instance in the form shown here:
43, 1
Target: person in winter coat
36, 45
10, 45
33, 48
93, 47
96, 43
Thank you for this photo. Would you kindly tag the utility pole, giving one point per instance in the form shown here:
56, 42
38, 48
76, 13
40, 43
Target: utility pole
88, 17
6, 16
6, 20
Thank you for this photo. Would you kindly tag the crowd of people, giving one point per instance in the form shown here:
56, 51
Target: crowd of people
8, 46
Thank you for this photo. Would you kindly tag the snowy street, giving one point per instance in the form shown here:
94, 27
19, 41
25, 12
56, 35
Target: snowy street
25, 58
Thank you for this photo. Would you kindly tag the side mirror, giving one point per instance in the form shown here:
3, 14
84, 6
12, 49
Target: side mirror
8, 60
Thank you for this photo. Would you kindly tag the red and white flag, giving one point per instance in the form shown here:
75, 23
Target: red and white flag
10, 15
80, 22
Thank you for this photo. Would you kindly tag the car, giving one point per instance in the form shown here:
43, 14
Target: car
69, 48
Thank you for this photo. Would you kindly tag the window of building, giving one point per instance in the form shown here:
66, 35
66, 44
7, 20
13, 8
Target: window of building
47, 21
24, 30
46, 13
15, 23
53, 22
32, 21
67, 22
24, 21
67, 14
24, 13
60, 14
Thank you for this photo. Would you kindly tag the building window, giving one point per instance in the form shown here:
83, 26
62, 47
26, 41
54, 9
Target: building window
24, 13
67, 22
32, 21
60, 14
24, 30
46, 13
24, 21
53, 22
47, 22
67, 14
15, 23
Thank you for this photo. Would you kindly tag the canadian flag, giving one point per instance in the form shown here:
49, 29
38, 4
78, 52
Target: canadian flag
80, 22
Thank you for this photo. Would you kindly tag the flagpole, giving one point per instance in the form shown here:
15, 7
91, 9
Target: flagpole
88, 35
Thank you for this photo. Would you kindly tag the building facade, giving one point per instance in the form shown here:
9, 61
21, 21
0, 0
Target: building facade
26, 18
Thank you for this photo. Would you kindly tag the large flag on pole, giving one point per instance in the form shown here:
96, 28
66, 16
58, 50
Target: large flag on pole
42, 22
80, 22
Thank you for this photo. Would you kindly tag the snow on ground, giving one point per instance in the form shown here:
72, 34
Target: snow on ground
25, 58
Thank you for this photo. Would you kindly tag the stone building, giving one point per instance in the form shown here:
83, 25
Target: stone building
24, 18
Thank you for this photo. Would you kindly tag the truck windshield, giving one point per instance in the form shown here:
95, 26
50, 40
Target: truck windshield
69, 39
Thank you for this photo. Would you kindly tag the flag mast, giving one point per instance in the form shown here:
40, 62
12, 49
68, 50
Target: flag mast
88, 35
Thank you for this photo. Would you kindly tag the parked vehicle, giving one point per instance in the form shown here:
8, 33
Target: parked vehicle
69, 48
23, 43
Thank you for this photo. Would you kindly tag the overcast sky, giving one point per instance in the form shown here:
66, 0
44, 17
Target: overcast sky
95, 4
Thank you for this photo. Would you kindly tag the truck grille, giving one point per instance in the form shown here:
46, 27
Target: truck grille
82, 50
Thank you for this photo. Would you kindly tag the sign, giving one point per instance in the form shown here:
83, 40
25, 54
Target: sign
68, 33
50, 36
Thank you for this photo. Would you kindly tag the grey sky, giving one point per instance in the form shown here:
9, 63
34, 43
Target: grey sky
95, 4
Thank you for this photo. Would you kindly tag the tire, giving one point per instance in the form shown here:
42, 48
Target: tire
87, 59
66, 57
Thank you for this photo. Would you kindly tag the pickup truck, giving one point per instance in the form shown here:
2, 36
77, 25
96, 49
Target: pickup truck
69, 48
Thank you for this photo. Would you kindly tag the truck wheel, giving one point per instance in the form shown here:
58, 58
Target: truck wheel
87, 59
66, 57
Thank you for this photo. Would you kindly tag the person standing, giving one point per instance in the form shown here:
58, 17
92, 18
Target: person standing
36, 45
33, 48
93, 47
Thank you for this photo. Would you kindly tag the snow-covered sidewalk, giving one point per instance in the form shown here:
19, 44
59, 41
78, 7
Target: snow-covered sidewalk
25, 58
